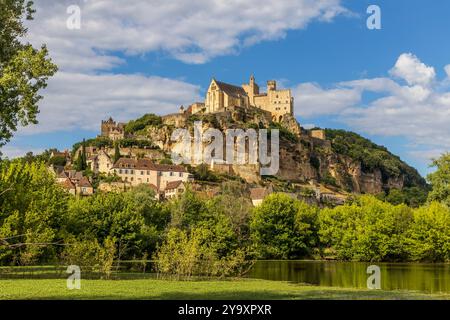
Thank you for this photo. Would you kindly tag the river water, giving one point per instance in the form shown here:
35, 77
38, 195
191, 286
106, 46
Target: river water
432, 278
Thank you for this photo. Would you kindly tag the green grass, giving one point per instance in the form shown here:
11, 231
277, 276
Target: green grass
166, 289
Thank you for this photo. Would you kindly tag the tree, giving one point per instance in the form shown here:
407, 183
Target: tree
81, 162
430, 233
116, 152
366, 230
31, 211
24, 70
440, 180
280, 228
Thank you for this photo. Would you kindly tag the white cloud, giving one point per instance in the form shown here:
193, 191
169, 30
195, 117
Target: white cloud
412, 70
192, 31
12, 152
312, 100
81, 101
418, 110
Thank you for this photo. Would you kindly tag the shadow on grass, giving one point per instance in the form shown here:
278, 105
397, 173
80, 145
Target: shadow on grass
332, 294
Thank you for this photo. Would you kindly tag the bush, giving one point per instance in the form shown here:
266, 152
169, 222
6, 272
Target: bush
187, 254
144, 121
430, 233
366, 230
90, 255
283, 228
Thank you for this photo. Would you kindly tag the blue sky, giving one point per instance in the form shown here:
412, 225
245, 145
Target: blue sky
389, 85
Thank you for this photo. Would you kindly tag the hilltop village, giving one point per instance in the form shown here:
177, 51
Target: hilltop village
126, 155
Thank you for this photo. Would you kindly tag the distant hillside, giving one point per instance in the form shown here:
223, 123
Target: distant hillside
373, 157
333, 161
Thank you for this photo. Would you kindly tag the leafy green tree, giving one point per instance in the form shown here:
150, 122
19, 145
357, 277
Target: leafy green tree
24, 70
430, 233
31, 211
187, 210
366, 230
281, 228
81, 162
116, 152
440, 180
144, 121
185, 254
57, 161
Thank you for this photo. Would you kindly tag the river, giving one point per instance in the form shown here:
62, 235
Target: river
431, 278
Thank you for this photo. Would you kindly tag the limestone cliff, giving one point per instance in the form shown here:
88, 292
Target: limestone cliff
335, 158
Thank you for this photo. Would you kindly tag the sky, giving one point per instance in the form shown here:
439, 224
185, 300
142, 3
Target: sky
128, 58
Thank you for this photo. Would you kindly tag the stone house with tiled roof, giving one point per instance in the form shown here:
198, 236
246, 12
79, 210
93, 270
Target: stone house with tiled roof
257, 195
145, 171
84, 187
174, 188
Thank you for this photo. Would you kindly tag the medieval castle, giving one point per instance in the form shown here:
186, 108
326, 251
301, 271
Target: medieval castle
222, 96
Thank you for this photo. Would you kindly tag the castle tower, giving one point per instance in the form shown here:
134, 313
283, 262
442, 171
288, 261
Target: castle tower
271, 85
251, 89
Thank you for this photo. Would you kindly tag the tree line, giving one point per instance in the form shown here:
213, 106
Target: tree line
199, 235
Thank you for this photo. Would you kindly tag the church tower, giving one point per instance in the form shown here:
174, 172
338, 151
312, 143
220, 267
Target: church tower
252, 89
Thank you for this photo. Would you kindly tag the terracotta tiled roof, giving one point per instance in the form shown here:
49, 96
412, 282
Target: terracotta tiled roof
63, 174
258, 193
231, 89
173, 184
67, 184
152, 186
78, 175
146, 164
84, 182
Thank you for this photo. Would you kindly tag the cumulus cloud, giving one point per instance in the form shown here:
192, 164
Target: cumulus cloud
80, 95
81, 101
192, 31
12, 152
418, 110
312, 100
412, 70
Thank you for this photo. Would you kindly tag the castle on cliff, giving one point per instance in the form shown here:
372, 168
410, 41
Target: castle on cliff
222, 96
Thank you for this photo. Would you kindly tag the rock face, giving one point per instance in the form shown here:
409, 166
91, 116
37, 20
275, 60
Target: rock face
304, 157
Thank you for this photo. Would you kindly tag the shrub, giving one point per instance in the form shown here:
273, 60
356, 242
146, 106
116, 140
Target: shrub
187, 254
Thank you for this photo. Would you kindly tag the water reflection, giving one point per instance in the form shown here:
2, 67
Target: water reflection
431, 278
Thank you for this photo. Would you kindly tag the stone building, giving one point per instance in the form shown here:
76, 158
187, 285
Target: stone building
144, 171
100, 162
221, 96
113, 130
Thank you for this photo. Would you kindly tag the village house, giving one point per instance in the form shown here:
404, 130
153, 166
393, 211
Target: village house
100, 162
174, 189
257, 195
75, 183
145, 171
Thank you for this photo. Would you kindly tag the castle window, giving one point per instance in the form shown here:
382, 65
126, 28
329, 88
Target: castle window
131, 171
131, 179
181, 174
120, 171
148, 172
142, 173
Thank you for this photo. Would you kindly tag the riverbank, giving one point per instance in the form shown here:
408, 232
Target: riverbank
239, 289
